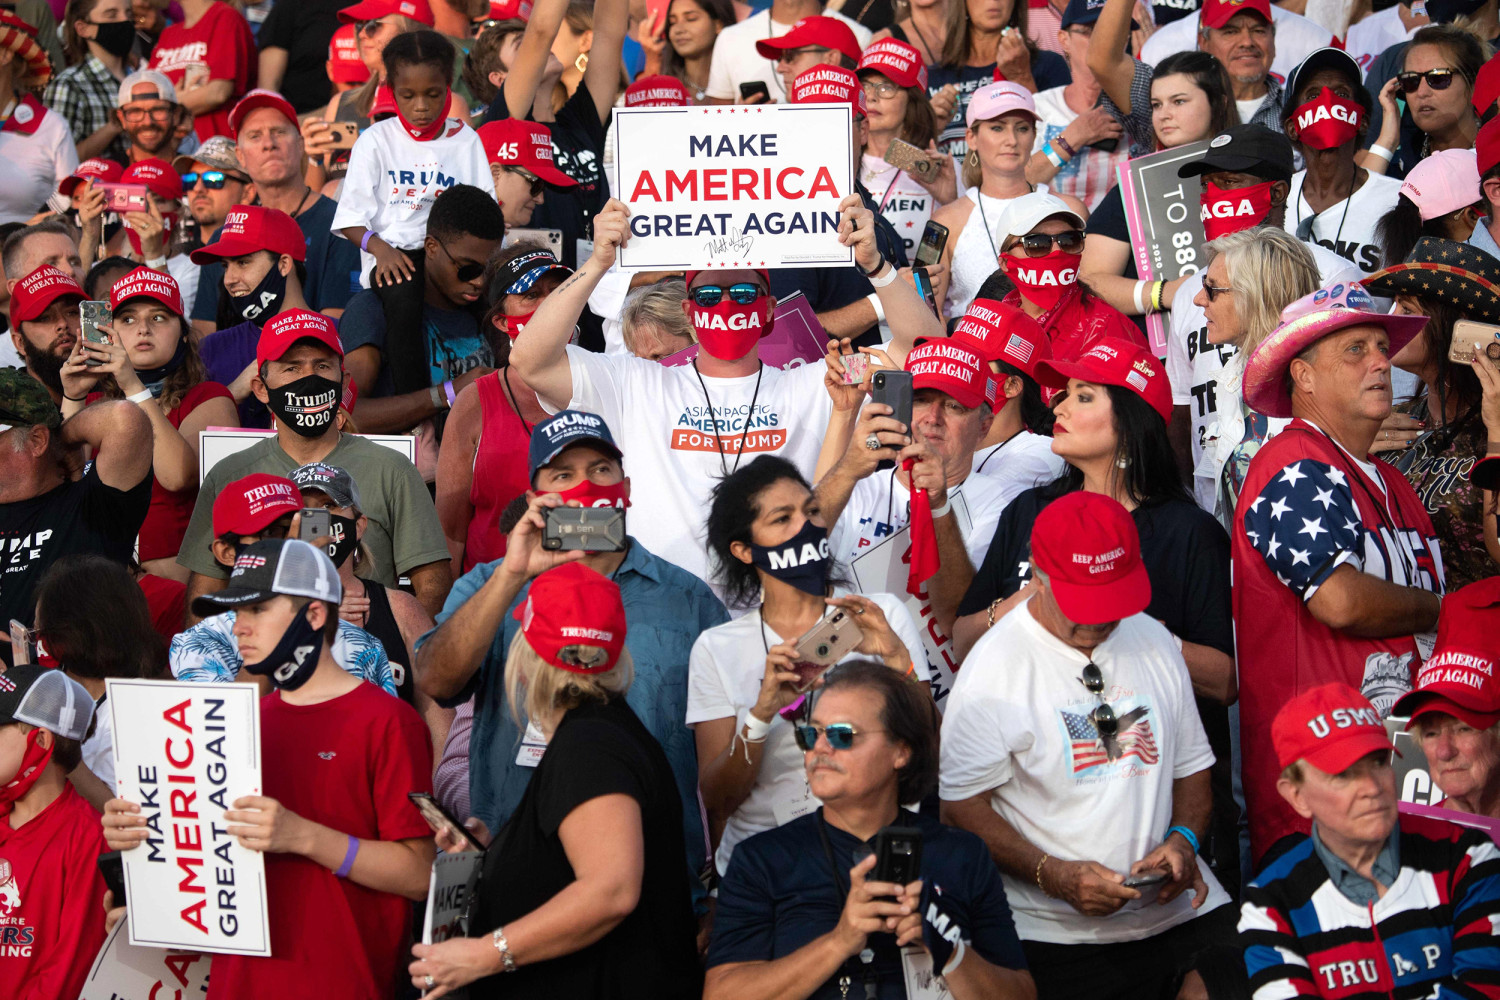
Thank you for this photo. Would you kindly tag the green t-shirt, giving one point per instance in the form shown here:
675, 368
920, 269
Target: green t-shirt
403, 533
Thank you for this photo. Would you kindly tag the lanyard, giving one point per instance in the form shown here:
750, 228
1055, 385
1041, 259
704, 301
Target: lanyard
841, 891
749, 415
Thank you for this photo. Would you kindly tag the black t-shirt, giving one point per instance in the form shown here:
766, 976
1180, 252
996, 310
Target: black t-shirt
597, 750
1109, 220
79, 517
304, 29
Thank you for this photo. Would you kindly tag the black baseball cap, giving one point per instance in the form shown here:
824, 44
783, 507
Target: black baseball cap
1245, 149
1085, 12
271, 566
1327, 57
517, 275
569, 427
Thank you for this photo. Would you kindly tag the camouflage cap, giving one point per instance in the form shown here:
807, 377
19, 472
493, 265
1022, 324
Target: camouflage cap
24, 401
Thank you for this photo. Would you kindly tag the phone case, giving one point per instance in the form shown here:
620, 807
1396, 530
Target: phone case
930, 247
345, 134
892, 388
905, 156
898, 855
121, 198
1469, 337
316, 522
589, 529
823, 645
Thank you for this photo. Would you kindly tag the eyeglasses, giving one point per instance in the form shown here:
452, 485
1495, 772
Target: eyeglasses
1214, 291
212, 179
467, 271
742, 293
1040, 244
1437, 79
158, 112
884, 89
537, 185
840, 735
1103, 717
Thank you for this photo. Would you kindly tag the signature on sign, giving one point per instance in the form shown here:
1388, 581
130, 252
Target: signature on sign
736, 244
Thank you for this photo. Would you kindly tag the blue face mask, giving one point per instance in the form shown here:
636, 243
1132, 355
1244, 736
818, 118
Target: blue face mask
801, 561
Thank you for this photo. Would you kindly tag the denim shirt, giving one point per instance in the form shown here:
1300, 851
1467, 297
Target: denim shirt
666, 608
1483, 239
1354, 886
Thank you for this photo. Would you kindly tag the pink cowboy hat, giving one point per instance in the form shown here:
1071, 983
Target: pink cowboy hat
1304, 323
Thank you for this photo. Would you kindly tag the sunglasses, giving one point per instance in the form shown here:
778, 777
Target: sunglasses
885, 89
1437, 79
536, 182
1214, 291
742, 293
1103, 717
1040, 244
212, 179
367, 27
467, 271
840, 735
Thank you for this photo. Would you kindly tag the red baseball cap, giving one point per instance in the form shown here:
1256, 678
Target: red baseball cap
1216, 13
897, 61
764, 272
955, 368
107, 171
1113, 361
1486, 86
657, 92
384, 105
262, 98
38, 290
374, 10
344, 63
1089, 547
818, 30
508, 10
572, 605
248, 228
143, 282
523, 144
248, 506
1487, 145
158, 176
829, 85
1330, 727
1000, 331
1459, 677
282, 331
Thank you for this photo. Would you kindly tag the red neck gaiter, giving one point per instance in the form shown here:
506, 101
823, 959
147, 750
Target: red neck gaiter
1044, 280
32, 765
590, 494
433, 129
1226, 212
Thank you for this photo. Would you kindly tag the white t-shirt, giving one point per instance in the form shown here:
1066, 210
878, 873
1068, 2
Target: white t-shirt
1247, 109
34, 165
607, 301
735, 60
1296, 37
906, 204
1194, 367
1346, 228
725, 672
185, 273
393, 180
1026, 460
665, 428
1017, 724
880, 506
1374, 35
99, 749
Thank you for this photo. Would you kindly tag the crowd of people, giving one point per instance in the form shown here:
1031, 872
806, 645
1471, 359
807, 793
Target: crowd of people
1175, 560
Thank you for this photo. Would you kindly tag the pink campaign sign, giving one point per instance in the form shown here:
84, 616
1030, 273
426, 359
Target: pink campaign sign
796, 338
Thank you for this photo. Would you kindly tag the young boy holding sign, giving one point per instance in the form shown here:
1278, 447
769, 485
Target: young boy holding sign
345, 848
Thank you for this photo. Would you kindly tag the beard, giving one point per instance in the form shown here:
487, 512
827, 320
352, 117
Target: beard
46, 366
152, 148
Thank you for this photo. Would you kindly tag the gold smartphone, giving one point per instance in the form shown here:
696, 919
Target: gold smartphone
1471, 338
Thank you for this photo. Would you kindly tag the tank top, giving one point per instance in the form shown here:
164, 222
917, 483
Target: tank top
381, 623
501, 462
976, 252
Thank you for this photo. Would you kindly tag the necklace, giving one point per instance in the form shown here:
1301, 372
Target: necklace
999, 447
932, 55
979, 197
505, 380
749, 415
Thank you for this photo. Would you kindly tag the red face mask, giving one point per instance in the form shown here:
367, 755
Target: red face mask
1327, 121
591, 494
729, 331
32, 764
432, 130
1226, 212
1043, 280
515, 324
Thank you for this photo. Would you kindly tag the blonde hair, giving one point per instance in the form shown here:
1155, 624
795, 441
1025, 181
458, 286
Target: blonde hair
658, 305
550, 690
1268, 269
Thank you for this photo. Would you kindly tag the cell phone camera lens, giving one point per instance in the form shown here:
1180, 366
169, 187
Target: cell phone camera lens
822, 649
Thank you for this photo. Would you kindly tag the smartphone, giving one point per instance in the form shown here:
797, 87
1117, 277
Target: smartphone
749, 90
316, 522
197, 74
924, 286
587, 529
905, 156
122, 198
441, 819
20, 643
656, 16
826, 643
112, 867
898, 855
1143, 879
343, 135
892, 388
934, 238
1471, 338
92, 313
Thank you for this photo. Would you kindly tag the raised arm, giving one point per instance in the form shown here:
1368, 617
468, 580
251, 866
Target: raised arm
1111, 65
114, 430
602, 76
905, 310
519, 88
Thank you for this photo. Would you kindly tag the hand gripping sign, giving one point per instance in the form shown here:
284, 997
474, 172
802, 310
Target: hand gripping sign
734, 186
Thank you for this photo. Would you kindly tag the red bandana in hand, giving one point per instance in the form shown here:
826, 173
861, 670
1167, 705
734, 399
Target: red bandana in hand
924, 551
433, 128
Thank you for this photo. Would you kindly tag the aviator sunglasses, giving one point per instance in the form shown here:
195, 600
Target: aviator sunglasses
840, 735
1103, 717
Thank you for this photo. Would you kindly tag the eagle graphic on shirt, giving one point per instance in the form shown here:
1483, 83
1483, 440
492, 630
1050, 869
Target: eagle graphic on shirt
10, 892
1090, 749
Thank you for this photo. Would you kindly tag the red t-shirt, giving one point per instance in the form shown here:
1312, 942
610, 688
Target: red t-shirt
347, 764
1079, 321
51, 900
1308, 508
500, 464
167, 519
167, 601
222, 41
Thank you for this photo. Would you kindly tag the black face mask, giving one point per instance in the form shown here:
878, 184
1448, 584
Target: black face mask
155, 378
345, 532
115, 37
264, 300
801, 560
307, 405
295, 657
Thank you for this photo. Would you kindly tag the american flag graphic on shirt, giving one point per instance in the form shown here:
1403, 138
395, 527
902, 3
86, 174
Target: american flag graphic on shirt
1133, 739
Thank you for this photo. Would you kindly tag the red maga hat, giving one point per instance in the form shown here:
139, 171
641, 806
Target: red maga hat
657, 92
261, 98
248, 228
143, 282
817, 31
344, 60
158, 176
523, 144
248, 506
105, 171
952, 367
38, 290
1486, 86
1459, 678
1089, 547
570, 606
829, 85
1000, 331
1216, 13
283, 330
897, 61
1331, 727
1113, 361
374, 10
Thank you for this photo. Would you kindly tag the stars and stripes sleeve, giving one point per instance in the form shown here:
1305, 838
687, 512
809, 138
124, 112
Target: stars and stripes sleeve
1305, 525
1274, 961
1476, 920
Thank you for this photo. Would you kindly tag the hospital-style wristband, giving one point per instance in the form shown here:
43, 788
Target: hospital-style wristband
1188, 835
890, 276
364, 241
349, 856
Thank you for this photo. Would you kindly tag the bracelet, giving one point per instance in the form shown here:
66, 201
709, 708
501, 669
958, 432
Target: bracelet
503, 947
76, 399
989, 616
944, 510
435, 397
874, 299
1378, 150
1052, 157
140, 397
1156, 287
1045, 859
1188, 835
1067, 147
157, 263
879, 282
364, 241
1140, 298
448, 391
343, 870
959, 951
756, 730
911, 670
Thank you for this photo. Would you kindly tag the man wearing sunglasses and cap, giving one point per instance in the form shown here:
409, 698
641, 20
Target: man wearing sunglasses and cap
1371, 902
214, 183
1071, 743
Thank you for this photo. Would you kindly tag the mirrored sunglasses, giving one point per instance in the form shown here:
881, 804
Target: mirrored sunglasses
743, 293
212, 179
840, 735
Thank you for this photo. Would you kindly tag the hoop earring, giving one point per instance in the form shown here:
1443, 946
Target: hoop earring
581, 64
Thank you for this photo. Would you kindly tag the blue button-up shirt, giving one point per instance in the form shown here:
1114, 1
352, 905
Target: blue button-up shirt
666, 608
1354, 886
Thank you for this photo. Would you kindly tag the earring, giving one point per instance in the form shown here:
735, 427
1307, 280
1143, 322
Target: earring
972, 159
581, 64
1122, 463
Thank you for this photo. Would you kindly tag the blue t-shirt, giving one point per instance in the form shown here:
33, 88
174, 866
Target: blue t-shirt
1048, 69
454, 345
779, 895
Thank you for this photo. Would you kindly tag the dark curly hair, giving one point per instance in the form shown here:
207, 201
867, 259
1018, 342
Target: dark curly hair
908, 716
